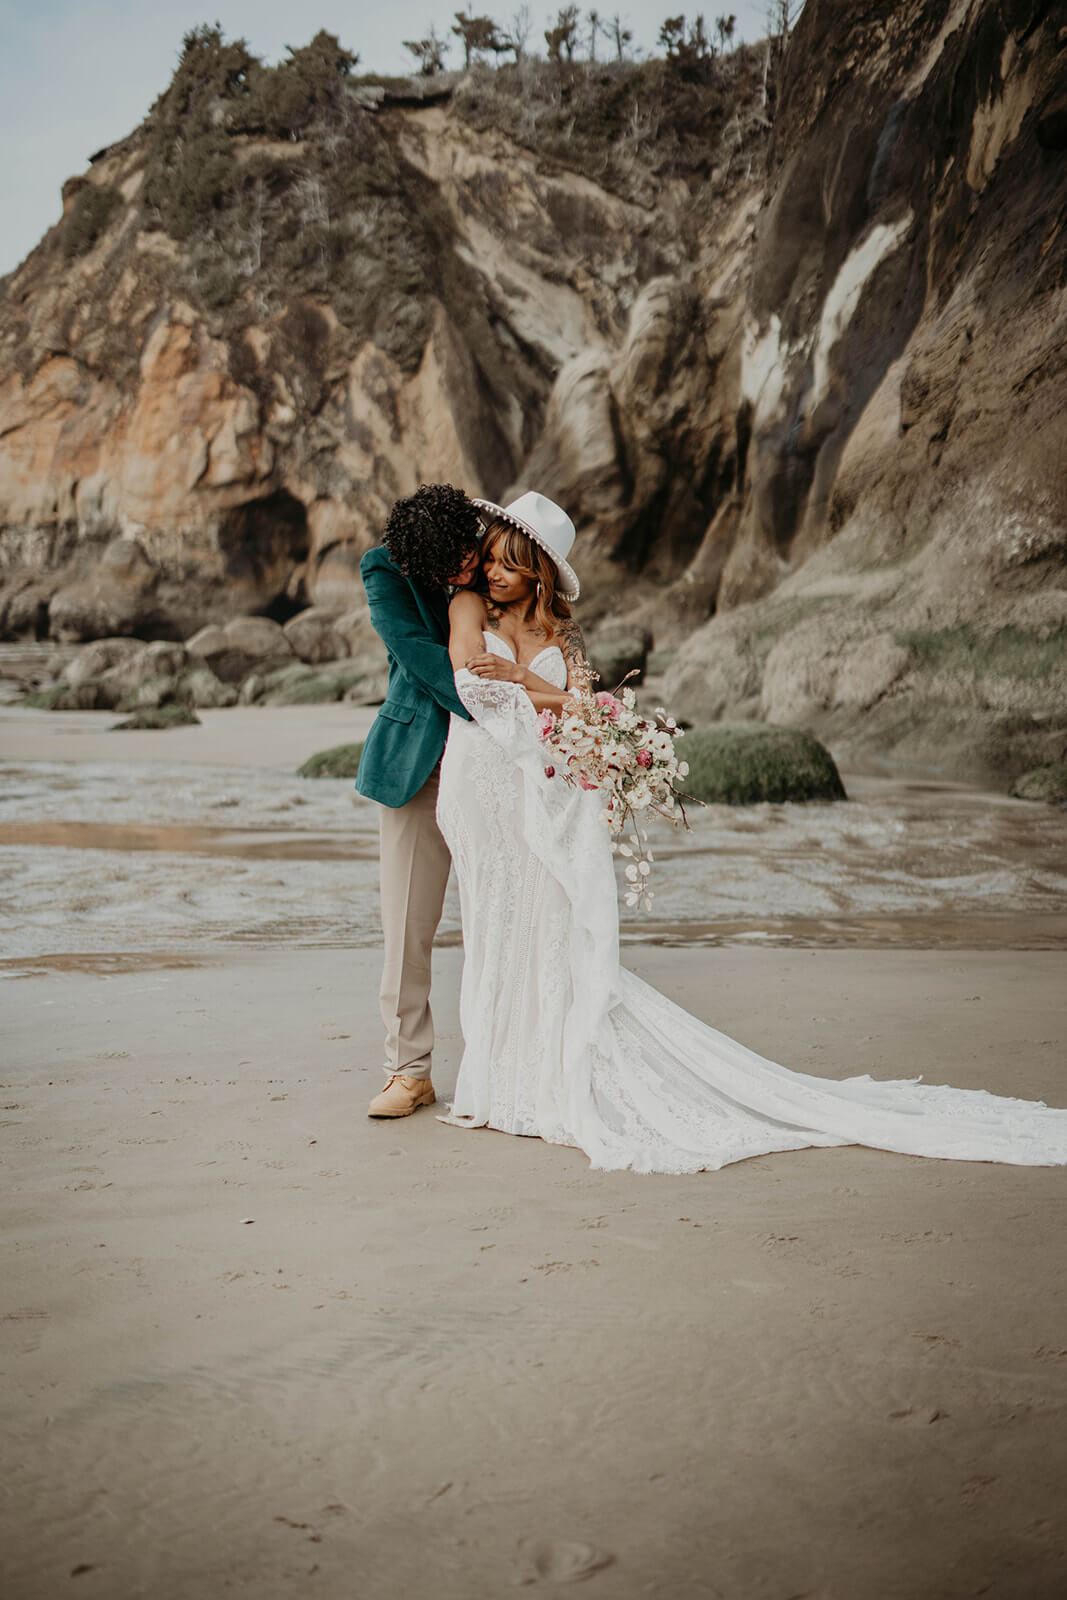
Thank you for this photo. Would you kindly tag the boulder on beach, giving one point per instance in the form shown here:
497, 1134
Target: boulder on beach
127, 674
743, 763
169, 716
300, 684
616, 649
340, 761
100, 657
244, 644
314, 636
1048, 784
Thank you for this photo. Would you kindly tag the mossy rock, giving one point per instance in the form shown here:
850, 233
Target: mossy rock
168, 716
1048, 784
342, 761
742, 763
298, 684
1011, 652
67, 697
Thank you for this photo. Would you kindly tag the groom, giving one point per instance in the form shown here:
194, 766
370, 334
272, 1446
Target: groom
430, 545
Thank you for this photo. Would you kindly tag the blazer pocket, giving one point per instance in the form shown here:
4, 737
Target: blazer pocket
397, 713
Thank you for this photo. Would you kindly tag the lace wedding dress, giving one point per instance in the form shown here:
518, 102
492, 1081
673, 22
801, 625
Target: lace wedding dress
561, 1042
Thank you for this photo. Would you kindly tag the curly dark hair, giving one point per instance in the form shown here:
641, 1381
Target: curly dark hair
430, 534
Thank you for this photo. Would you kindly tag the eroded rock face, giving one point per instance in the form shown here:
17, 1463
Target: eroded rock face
905, 491
164, 466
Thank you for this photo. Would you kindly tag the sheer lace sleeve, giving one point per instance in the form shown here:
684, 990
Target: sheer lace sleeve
504, 710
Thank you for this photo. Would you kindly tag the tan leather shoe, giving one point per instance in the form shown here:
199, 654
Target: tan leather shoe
401, 1096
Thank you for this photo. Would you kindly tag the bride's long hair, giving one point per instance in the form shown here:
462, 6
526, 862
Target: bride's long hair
521, 554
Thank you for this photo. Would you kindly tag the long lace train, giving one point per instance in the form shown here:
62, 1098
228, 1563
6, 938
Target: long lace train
561, 1042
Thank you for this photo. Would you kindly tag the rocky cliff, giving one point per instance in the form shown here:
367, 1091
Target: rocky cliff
291, 296
807, 380
893, 568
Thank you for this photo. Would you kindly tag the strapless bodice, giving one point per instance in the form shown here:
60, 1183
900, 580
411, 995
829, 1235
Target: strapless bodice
547, 663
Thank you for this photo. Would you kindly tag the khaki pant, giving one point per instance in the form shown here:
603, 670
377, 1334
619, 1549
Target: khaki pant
414, 871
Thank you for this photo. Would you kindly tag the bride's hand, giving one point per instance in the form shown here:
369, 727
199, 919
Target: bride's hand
487, 665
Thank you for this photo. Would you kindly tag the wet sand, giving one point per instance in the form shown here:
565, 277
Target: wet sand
253, 1343
242, 736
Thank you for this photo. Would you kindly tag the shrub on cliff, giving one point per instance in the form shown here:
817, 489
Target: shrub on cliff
309, 85
89, 217
189, 164
627, 125
336, 212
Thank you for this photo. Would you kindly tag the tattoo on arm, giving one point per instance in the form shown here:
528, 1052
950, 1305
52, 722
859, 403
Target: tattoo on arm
572, 644
492, 618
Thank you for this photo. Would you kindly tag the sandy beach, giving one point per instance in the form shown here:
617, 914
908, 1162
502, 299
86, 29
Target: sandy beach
253, 1343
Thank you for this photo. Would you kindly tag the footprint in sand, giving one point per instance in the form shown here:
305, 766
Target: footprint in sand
559, 1560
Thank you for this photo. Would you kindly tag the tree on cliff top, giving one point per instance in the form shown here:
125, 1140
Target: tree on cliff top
286, 98
562, 38
479, 34
620, 36
429, 53
685, 45
220, 88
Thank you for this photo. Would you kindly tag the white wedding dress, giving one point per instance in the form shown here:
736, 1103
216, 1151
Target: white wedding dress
562, 1043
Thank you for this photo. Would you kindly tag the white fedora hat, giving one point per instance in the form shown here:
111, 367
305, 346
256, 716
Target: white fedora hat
547, 524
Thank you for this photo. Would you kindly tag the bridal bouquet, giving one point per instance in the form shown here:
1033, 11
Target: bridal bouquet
603, 744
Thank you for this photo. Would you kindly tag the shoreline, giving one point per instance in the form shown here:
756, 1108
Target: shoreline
201, 841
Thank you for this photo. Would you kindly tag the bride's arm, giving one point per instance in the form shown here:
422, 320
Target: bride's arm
466, 620
579, 672
466, 647
544, 695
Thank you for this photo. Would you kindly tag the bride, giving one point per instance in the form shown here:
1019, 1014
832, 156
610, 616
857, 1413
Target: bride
562, 1042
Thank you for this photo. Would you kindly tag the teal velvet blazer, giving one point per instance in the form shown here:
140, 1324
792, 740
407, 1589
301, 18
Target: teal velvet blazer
407, 738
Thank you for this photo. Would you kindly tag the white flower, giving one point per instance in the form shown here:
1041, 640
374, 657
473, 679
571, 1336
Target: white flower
643, 868
631, 873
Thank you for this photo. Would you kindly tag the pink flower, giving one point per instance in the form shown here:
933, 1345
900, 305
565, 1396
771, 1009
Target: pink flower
546, 725
644, 758
586, 785
610, 705
550, 772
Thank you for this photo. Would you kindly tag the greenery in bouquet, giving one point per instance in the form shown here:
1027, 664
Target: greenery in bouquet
600, 742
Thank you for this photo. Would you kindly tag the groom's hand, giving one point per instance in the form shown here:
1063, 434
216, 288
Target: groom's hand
487, 665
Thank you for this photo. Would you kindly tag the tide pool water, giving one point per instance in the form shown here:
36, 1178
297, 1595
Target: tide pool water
145, 860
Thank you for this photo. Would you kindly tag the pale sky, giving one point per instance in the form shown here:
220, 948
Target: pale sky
78, 74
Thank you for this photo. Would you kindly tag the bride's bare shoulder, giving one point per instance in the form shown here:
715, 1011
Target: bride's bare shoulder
466, 605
